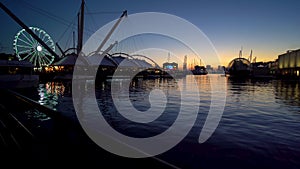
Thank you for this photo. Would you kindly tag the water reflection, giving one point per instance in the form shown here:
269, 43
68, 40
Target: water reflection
50, 93
287, 92
261, 120
259, 127
139, 91
34, 114
281, 91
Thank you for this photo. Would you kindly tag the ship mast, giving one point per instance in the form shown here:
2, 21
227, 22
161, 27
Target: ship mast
80, 27
241, 52
74, 42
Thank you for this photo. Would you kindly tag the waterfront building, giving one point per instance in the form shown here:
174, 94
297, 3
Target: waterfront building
170, 66
209, 68
220, 68
184, 66
289, 63
261, 70
273, 67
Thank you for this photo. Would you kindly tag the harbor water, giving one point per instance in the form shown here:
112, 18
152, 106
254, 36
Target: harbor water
259, 127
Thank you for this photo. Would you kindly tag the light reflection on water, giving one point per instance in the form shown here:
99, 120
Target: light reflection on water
50, 93
260, 126
139, 97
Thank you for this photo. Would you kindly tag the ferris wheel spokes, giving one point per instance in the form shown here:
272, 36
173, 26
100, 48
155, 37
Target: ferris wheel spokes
28, 55
27, 48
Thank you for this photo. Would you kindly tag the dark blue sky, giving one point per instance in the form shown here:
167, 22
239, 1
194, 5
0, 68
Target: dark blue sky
268, 27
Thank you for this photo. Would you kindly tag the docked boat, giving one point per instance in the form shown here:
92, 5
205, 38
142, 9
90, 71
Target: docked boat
17, 74
199, 70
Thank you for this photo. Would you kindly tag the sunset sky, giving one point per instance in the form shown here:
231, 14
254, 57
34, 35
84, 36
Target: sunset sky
269, 28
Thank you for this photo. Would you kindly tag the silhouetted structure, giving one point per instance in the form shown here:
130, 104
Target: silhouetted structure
199, 70
239, 67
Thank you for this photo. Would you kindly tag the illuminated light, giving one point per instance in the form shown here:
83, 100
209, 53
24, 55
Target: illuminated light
297, 73
286, 61
39, 48
280, 62
292, 60
298, 59
169, 67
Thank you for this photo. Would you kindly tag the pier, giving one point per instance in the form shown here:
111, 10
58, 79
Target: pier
44, 135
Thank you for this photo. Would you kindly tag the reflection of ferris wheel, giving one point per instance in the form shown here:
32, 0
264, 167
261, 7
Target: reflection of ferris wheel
28, 48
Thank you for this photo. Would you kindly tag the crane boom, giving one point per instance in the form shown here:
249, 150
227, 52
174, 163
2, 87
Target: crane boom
124, 14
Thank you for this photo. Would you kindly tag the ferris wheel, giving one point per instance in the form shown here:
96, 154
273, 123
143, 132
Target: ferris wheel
28, 48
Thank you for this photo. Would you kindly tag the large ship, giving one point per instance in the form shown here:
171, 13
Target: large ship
239, 67
199, 70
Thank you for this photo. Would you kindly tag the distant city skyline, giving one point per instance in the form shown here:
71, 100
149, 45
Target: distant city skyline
268, 28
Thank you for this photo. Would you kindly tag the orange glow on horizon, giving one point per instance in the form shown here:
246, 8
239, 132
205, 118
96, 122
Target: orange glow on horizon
225, 58
160, 56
